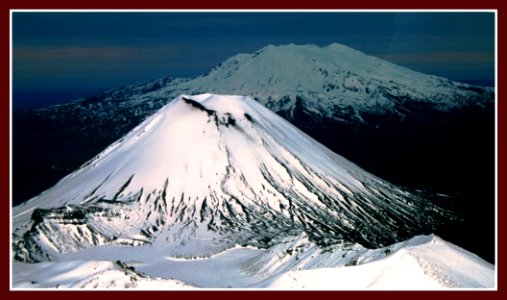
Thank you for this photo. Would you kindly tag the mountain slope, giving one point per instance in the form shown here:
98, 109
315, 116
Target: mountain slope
209, 172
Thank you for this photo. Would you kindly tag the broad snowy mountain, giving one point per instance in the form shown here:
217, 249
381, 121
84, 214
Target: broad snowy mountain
335, 82
222, 177
216, 171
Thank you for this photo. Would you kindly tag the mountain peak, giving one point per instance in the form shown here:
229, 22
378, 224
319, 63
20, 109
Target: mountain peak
338, 46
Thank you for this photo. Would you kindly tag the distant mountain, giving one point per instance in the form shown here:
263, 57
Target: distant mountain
332, 83
335, 82
416, 130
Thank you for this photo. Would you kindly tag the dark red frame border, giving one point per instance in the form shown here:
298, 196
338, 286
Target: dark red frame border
7, 5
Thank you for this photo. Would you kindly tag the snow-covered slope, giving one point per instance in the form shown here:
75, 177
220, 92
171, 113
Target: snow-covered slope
209, 172
423, 262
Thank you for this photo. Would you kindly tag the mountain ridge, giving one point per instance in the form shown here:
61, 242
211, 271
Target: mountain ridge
415, 264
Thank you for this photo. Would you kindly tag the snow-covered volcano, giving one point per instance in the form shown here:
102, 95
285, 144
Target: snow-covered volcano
209, 172
222, 185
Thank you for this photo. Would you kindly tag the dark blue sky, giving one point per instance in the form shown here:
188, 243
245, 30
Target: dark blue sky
69, 54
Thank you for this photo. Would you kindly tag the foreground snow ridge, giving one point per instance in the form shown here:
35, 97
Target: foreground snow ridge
217, 191
421, 263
